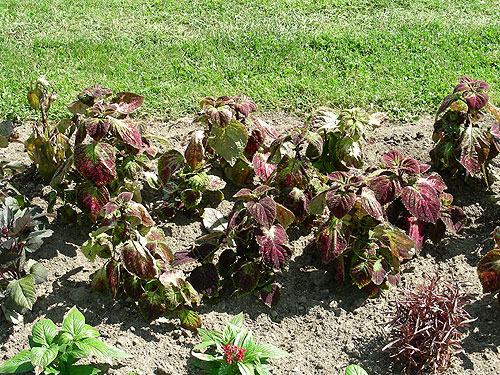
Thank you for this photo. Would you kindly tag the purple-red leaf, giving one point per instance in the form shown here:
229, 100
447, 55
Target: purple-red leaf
274, 246
169, 163
96, 127
384, 188
423, 202
91, 199
90, 94
127, 132
475, 147
96, 162
416, 231
264, 211
473, 92
246, 278
434, 180
361, 273
138, 261
205, 279
113, 276
378, 273
127, 102
331, 241
488, 270
454, 219
244, 105
255, 140
270, 295
340, 203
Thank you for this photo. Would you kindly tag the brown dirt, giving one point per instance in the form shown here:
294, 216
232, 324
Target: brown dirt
323, 329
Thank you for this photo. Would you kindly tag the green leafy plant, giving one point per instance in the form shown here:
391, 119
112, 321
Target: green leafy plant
425, 326
462, 140
110, 152
138, 263
48, 145
355, 370
253, 245
375, 222
488, 267
234, 351
21, 235
56, 352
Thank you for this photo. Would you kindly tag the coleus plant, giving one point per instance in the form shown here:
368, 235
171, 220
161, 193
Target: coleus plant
375, 222
21, 235
488, 267
343, 134
48, 145
243, 255
139, 262
110, 151
55, 352
234, 351
462, 140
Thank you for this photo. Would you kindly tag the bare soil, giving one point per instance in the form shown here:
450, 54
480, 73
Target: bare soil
323, 328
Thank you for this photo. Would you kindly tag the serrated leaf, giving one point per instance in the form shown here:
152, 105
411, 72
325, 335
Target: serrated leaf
189, 319
246, 278
191, 198
371, 205
127, 132
96, 127
488, 270
97, 91
332, 241
195, 151
169, 163
43, 356
20, 363
22, 291
384, 188
339, 202
91, 199
274, 246
96, 162
361, 273
137, 260
263, 211
43, 332
152, 306
205, 279
475, 147
423, 202
230, 142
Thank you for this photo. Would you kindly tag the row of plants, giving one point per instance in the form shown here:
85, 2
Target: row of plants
366, 221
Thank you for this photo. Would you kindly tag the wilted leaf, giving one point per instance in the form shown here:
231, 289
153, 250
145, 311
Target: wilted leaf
488, 270
195, 151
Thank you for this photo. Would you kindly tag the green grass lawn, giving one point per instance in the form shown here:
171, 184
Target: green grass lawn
292, 55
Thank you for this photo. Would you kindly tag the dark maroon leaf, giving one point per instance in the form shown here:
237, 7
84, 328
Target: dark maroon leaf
91, 199
264, 211
263, 169
226, 262
270, 295
133, 288
195, 151
371, 204
473, 92
205, 279
475, 147
255, 140
447, 101
127, 102
410, 166
113, 276
246, 277
152, 306
423, 202
332, 241
436, 231
97, 128
137, 260
274, 246
384, 188
169, 163
191, 198
454, 219
340, 203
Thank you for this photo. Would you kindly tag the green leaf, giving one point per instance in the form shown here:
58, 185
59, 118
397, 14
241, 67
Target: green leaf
39, 272
73, 322
84, 370
189, 319
270, 351
44, 331
19, 363
237, 320
203, 356
43, 356
355, 370
246, 368
22, 291
99, 349
230, 142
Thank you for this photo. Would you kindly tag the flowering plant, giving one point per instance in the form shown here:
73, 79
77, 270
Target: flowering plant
234, 351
